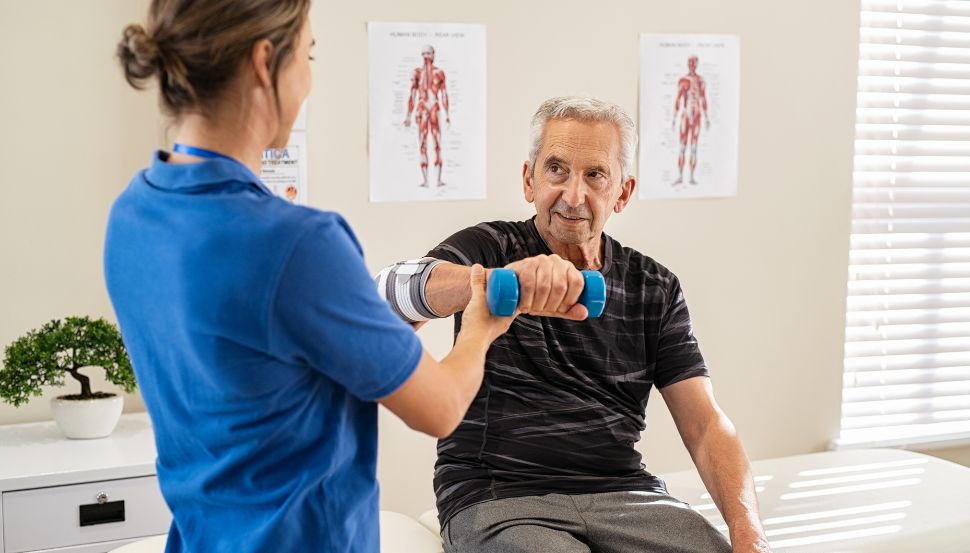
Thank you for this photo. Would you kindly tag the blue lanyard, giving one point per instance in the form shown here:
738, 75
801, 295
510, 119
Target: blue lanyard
209, 154
200, 152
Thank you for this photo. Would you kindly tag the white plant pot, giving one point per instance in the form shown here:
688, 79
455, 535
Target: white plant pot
85, 419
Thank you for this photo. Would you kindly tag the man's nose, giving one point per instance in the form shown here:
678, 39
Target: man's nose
575, 193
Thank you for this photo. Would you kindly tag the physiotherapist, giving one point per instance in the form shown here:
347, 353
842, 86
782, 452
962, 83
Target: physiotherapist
259, 342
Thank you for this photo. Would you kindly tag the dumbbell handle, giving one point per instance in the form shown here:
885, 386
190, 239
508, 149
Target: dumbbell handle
503, 292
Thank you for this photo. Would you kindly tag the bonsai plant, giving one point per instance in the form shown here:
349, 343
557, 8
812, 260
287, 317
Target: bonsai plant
44, 356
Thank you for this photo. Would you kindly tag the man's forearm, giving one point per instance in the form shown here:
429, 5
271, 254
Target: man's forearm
726, 472
447, 290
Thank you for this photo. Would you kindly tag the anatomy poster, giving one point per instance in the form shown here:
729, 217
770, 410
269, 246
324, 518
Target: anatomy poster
689, 103
427, 111
284, 171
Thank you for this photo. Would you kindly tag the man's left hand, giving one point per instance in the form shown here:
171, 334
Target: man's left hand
756, 543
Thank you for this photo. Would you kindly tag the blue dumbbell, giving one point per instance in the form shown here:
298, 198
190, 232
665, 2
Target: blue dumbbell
503, 292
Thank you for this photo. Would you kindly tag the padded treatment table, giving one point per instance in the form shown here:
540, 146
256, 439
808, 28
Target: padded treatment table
852, 501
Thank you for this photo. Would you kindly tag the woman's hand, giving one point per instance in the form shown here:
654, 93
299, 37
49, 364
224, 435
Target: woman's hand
477, 319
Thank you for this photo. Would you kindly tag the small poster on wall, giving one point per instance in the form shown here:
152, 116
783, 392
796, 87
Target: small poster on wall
689, 104
284, 171
427, 111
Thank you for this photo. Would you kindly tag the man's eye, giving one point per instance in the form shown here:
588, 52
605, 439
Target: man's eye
555, 168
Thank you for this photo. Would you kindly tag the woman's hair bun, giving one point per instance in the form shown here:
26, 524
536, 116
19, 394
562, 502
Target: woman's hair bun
195, 49
138, 54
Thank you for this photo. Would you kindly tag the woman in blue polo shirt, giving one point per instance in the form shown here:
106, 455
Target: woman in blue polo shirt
259, 341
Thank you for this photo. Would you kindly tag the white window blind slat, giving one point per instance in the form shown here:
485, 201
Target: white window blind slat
934, 54
922, 70
903, 116
882, 427
919, 7
935, 226
925, 39
912, 361
893, 210
891, 178
910, 195
907, 332
886, 304
909, 17
917, 406
920, 147
913, 85
900, 240
907, 338
886, 347
922, 316
908, 376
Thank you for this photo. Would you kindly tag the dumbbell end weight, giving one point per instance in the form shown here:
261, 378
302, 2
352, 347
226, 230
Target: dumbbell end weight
502, 294
594, 293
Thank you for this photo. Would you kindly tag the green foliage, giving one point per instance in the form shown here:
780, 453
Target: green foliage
43, 356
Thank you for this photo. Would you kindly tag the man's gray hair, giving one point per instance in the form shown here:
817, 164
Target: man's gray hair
585, 109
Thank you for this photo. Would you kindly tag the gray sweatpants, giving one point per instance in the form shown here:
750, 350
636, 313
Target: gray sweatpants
611, 522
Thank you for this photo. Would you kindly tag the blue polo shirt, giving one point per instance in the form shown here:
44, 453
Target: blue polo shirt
260, 345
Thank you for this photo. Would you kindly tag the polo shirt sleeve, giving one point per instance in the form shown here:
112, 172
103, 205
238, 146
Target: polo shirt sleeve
678, 353
328, 315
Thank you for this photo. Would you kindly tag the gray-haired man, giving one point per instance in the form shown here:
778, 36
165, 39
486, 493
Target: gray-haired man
544, 459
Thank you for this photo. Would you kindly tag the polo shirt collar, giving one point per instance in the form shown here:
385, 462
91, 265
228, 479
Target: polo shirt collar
199, 177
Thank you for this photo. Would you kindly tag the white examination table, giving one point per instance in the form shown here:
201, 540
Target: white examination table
853, 501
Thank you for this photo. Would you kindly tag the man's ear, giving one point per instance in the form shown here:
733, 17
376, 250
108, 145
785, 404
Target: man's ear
626, 193
527, 189
259, 60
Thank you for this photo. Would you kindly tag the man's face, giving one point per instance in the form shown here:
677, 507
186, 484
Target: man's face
427, 54
692, 64
576, 182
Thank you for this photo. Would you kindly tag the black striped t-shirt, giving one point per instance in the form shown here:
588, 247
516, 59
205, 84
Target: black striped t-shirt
563, 402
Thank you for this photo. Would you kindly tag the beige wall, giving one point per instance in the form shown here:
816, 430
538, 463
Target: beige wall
71, 134
764, 272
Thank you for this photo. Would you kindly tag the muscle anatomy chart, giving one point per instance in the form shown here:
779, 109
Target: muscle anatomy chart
427, 111
689, 98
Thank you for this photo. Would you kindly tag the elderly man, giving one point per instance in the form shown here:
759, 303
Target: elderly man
544, 459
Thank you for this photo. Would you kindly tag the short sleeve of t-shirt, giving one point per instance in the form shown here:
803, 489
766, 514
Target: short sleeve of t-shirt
328, 314
678, 354
469, 246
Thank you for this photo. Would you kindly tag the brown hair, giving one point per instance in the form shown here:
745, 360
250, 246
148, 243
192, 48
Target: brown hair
196, 46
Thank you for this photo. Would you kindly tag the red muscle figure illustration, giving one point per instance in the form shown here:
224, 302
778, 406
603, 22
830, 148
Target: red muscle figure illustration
428, 95
691, 102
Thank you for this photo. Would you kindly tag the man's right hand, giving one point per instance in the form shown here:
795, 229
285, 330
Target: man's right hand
549, 286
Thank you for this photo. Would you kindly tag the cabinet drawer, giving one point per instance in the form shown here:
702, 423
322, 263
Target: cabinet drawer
51, 517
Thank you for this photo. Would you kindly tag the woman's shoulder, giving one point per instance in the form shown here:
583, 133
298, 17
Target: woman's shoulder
307, 219
316, 227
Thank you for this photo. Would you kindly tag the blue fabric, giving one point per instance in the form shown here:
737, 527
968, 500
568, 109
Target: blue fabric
260, 344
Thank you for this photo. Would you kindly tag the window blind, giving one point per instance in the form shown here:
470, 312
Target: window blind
906, 377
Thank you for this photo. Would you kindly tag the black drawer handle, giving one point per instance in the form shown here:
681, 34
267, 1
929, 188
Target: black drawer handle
102, 513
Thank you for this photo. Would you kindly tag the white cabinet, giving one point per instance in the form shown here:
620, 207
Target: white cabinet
78, 496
